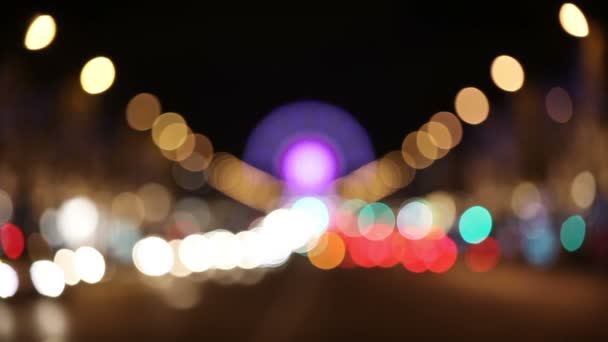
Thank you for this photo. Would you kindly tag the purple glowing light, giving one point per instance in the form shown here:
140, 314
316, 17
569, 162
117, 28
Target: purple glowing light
309, 165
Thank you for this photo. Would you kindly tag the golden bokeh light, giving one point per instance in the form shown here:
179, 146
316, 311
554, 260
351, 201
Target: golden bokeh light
526, 200
427, 145
128, 206
573, 20
157, 201
97, 75
173, 136
559, 105
453, 125
443, 208
243, 182
184, 151
330, 253
472, 106
40, 33
393, 172
142, 110
169, 131
411, 154
441, 135
201, 156
583, 189
507, 73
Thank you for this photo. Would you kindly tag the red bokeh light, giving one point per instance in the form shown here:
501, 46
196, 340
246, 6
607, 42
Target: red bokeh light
484, 256
13, 241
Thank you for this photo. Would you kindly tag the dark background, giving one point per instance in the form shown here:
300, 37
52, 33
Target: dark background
391, 65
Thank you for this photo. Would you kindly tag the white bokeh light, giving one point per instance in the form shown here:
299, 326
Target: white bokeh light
153, 256
64, 258
225, 249
415, 220
9, 281
195, 253
89, 264
48, 278
77, 221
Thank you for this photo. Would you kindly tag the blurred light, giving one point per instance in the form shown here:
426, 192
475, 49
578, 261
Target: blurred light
507, 73
439, 133
40, 33
573, 20
77, 220
50, 320
393, 172
572, 234
376, 221
173, 136
13, 241
195, 253
184, 151
482, 257
274, 250
128, 206
475, 224
9, 281
559, 105
201, 155
411, 154
169, 131
142, 110
250, 246
47, 278
309, 165
197, 208
178, 269
347, 215
451, 122
313, 214
225, 249
48, 228
89, 264
64, 258
97, 75
186, 179
540, 247
7, 323
443, 209
427, 145
526, 200
332, 253
153, 256
472, 106
415, 220
583, 189
6, 207
156, 200
447, 255
122, 239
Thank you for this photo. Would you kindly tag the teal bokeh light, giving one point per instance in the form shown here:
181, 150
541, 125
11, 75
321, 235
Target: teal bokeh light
572, 234
475, 224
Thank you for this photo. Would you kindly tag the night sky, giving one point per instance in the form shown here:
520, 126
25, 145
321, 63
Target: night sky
391, 66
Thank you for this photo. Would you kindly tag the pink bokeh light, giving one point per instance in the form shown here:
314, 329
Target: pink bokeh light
309, 165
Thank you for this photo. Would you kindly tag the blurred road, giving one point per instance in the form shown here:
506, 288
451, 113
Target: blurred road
300, 303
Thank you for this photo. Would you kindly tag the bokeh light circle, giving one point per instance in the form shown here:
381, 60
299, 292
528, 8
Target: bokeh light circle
9, 281
475, 224
376, 221
572, 233
415, 220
